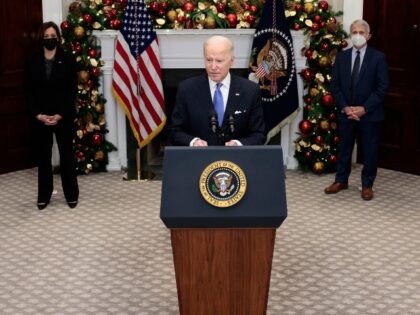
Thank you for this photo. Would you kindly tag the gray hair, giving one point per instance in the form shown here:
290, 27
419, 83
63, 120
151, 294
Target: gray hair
219, 40
362, 23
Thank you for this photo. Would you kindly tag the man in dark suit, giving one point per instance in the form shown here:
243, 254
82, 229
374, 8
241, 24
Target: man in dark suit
217, 108
359, 84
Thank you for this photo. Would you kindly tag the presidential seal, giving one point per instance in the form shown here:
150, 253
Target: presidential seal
222, 184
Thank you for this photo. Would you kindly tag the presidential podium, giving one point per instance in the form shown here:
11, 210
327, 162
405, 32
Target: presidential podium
223, 205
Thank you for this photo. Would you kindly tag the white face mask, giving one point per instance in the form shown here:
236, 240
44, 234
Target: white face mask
358, 40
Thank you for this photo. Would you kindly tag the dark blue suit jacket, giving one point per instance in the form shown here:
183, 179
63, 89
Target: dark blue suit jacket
190, 118
370, 88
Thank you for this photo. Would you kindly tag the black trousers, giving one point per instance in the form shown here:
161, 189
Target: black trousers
64, 133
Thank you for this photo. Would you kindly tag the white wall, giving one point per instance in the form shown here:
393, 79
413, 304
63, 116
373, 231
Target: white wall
353, 10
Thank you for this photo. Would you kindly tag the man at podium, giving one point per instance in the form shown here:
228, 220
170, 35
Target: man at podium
217, 108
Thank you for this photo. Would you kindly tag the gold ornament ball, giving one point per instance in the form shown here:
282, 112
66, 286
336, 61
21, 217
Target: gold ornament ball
324, 61
171, 15
332, 27
313, 92
99, 108
209, 22
308, 7
324, 125
79, 32
83, 76
75, 8
99, 155
318, 167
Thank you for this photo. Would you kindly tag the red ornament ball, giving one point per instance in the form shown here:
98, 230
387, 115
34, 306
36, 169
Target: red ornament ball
112, 14
296, 26
325, 46
87, 18
250, 19
315, 27
336, 140
332, 116
307, 74
77, 47
319, 140
308, 155
308, 53
327, 100
220, 6
95, 71
122, 3
188, 7
65, 25
189, 24
308, 100
163, 5
308, 108
298, 7
97, 139
333, 159
305, 126
80, 155
317, 18
232, 20
323, 5
108, 2
322, 24
344, 43
253, 9
115, 24
181, 19
92, 53
154, 6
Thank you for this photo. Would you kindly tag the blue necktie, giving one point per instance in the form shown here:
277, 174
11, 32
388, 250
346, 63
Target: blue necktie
218, 104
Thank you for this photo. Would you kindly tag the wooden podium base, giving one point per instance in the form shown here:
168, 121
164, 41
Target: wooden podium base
223, 271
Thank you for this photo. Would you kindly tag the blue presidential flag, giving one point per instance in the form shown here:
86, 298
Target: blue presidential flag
272, 66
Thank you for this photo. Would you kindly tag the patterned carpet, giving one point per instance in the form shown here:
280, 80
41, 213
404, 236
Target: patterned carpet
112, 255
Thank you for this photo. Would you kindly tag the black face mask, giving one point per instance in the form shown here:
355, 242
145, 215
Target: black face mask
50, 43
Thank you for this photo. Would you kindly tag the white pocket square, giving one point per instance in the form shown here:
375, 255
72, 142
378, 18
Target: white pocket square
237, 112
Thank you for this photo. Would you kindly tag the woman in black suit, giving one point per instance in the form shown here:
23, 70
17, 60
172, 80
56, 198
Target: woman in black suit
51, 89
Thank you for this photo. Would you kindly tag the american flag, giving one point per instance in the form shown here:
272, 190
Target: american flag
136, 79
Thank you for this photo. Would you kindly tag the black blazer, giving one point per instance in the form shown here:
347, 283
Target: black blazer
190, 117
55, 95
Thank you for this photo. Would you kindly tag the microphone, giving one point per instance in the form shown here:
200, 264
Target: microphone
213, 120
231, 123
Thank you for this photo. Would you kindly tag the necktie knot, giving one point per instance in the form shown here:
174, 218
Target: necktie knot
218, 104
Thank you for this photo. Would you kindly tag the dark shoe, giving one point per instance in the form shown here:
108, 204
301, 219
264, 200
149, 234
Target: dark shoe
335, 188
367, 193
42, 205
72, 204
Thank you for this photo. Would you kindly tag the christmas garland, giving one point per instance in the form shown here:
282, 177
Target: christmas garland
317, 142
199, 14
91, 148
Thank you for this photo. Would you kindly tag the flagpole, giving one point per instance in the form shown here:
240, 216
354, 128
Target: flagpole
138, 164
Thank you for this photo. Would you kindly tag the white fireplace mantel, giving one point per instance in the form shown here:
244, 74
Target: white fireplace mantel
183, 49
